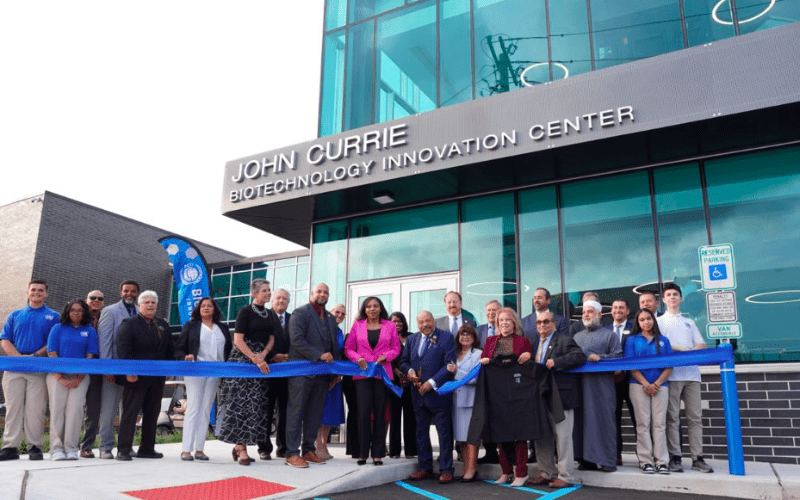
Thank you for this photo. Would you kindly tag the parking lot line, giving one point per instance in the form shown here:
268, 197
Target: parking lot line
420, 491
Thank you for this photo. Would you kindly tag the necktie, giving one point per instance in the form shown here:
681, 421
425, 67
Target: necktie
283, 321
423, 346
491, 330
454, 328
619, 331
539, 352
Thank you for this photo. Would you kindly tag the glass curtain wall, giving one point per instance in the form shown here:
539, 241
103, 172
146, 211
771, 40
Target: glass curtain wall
329, 263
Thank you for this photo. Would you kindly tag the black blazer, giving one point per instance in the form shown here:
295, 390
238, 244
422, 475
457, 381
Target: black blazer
137, 340
189, 340
566, 354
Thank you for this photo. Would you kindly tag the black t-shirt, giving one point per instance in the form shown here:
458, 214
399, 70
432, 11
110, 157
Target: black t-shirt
253, 326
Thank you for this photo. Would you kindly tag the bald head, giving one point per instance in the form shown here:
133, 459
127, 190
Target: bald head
425, 322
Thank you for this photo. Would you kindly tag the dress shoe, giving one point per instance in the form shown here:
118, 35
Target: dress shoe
606, 468
280, 454
420, 475
263, 455
559, 483
445, 478
489, 459
125, 457
9, 454
87, 454
296, 461
149, 454
312, 458
106, 455
539, 481
35, 454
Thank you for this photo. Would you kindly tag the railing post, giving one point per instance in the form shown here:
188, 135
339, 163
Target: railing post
733, 424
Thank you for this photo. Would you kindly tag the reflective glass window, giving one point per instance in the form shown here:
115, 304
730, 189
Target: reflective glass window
421, 240
488, 253
569, 40
539, 259
335, 14
427, 300
284, 278
242, 267
223, 307
261, 273
362, 9
757, 15
510, 38
329, 264
455, 56
332, 94
174, 315
358, 105
236, 304
754, 204
300, 298
627, 31
681, 231
220, 270
174, 294
240, 283
707, 20
285, 262
406, 62
302, 276
303, 258
608, 238
221, 285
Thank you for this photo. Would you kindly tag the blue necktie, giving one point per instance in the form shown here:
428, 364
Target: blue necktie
454, 328
424, 346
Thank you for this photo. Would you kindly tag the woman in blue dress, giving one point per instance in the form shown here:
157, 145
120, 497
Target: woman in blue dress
333, 414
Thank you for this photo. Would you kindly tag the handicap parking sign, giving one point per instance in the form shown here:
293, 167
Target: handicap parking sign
718, 272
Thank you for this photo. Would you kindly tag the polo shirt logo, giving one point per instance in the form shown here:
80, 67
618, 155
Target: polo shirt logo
84, 333
49, 316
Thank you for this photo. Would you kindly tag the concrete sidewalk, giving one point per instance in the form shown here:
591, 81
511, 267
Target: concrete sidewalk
109, 479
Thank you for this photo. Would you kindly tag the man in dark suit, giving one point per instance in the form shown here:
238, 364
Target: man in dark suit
455, 318
278, 386
620, 309
142, 337
541, 304
424, 361
312, 333
558, 352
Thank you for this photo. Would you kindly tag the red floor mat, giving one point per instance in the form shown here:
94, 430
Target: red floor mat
237, 488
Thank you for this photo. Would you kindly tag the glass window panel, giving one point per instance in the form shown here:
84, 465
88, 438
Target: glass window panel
608, 237
332, 92
406, 64
757, 15
261, 273
263, 265
221, 270
387, 299
284, 278
360, 42
221, 285
223, 307
302, 259
510, 37
421, 240
335, 14
302, 276
242, 267
754, 204
236, 304
362, 9
240, 283
569, 40
174, 315
681, 231
330, 260
285, 262
707, 20
488, 253
300, 298
428, 300
455, 56
627, 31
174, 293
538, 247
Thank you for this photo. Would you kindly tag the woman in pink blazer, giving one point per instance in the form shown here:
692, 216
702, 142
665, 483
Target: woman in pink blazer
373, 338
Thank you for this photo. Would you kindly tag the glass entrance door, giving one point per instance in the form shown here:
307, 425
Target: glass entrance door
409, 295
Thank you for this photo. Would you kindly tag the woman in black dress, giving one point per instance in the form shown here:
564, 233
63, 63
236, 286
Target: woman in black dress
243, 401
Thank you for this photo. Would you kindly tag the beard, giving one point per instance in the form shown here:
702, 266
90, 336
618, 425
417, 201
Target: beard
591, 323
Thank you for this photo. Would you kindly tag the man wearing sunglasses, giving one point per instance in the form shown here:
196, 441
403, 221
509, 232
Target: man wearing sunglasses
96, 301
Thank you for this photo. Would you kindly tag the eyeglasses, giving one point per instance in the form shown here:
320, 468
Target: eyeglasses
97, 298
465, 334
543, 321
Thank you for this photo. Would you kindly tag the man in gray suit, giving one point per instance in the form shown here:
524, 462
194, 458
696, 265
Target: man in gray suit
455, 318
313, 335
110, 320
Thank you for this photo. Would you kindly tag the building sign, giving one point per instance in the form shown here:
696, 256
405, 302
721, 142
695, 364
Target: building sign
716, 267
721, 307
724, 331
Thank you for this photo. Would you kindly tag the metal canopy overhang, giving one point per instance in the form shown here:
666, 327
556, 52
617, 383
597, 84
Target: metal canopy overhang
738, 75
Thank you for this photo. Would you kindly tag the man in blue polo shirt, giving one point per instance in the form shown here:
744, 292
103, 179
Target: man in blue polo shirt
25, 334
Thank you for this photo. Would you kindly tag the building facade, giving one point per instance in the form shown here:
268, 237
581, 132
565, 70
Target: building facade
497, 146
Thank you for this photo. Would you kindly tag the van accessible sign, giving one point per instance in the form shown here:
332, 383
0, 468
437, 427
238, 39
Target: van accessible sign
716, 267
724, 331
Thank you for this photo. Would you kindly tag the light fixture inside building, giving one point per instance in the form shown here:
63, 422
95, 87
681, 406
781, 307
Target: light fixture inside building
384, 197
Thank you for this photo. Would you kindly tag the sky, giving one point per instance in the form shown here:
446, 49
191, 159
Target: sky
135, 107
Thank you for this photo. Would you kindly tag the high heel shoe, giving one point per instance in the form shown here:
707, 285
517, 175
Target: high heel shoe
472, 479
237, 455
361, 461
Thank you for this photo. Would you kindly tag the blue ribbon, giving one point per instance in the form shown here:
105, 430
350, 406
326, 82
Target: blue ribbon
721, 354
190, 368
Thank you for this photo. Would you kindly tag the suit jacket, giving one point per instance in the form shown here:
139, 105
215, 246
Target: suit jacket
532, 334
483, 334
189, 340
310, 337
443, 323
108, 327
566, 354
625, 377
521, 344
464, 396
431, 365
138, 340
357, 345
282, 340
